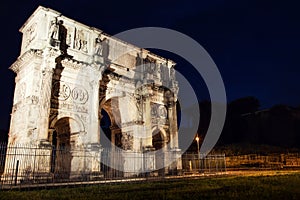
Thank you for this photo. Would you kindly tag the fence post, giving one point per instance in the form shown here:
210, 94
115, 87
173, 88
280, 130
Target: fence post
216, 163
224, 162
14, 156
33, 173
16, 174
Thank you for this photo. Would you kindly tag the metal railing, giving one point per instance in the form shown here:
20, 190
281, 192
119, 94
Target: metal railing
28, 165
195, 163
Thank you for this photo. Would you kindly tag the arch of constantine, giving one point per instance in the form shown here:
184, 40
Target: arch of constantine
66, 75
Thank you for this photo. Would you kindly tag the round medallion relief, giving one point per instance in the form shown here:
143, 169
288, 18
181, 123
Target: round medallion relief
79, 95
61, 90
162, 111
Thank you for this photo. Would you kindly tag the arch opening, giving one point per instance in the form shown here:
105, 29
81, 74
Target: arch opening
61, 141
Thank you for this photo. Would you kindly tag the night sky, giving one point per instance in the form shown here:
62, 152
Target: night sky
254, 43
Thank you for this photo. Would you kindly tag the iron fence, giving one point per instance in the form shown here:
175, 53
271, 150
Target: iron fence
199, 163
28, 165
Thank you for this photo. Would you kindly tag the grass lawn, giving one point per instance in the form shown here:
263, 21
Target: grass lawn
255, 185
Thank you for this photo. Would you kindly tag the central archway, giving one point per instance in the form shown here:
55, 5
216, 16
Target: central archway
63, 143
110, 139
105, 131
109, 120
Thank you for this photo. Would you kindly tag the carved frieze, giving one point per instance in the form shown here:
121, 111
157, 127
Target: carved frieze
56, 104
73, 64
30, 34
128, 124
28, 56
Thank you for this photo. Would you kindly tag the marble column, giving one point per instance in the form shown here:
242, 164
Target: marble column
147, 119
173, 125
113, 137
46, 92
45, 104
94, 126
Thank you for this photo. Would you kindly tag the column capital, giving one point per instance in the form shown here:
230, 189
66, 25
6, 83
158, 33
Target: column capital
171, 104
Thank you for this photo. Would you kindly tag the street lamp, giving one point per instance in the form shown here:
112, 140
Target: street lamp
198, 150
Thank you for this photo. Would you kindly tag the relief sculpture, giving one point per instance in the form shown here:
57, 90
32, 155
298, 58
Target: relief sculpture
30, 34
79, 95
127, 141
80, 41
61, 90
158, 111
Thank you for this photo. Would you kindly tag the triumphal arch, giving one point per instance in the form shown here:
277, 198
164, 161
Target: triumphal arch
66, 74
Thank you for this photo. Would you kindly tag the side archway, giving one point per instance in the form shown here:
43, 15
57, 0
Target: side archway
76, 124
159, 138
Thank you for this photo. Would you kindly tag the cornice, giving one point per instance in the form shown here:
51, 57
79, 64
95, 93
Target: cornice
29, 56
74, 64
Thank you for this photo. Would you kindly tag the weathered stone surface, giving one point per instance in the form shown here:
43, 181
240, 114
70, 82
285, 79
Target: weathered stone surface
67, 72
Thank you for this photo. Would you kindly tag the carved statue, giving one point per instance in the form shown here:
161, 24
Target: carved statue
172, 73
152, 67
98, 46
54, 29
139, 106
56, 34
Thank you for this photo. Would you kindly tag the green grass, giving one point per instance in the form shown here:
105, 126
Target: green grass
255, 186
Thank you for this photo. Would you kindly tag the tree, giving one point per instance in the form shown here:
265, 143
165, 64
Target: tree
244, 105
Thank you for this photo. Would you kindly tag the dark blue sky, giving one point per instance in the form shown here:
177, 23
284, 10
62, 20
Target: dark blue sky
254, 43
